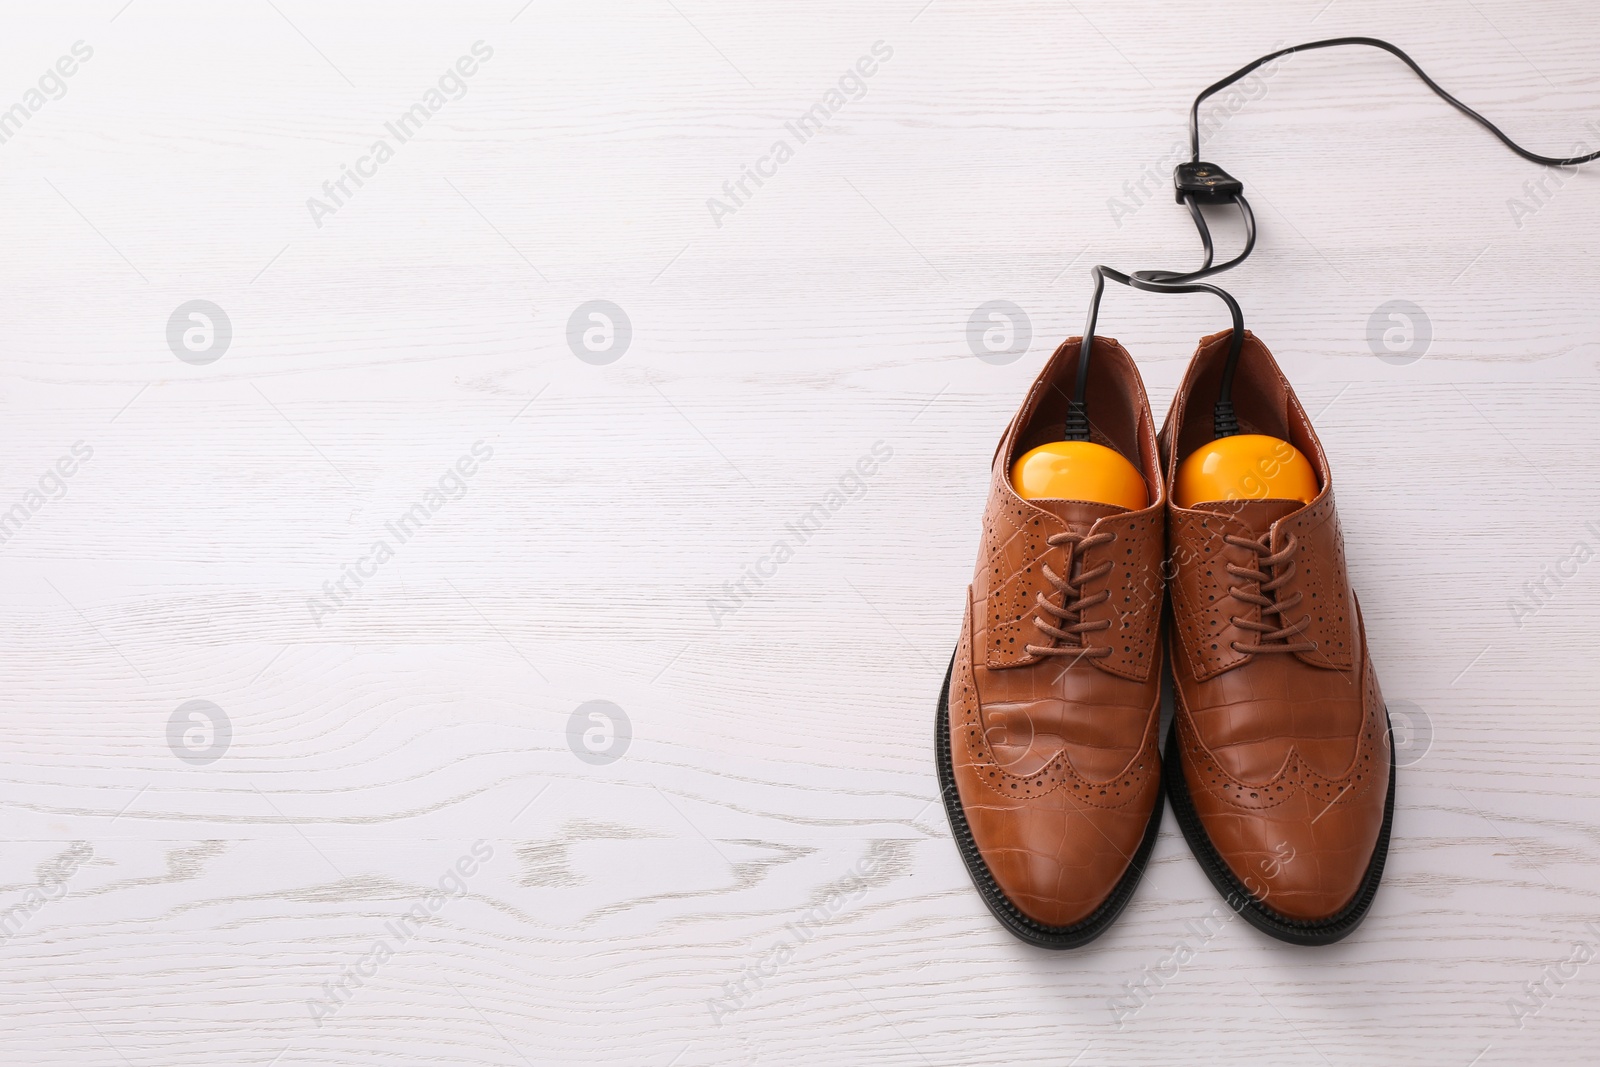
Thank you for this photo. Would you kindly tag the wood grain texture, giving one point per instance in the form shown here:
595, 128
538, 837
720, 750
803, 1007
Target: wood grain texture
764, 875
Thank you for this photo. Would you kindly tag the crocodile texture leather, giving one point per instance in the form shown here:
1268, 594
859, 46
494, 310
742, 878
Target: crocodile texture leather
1285, 753
1055, 753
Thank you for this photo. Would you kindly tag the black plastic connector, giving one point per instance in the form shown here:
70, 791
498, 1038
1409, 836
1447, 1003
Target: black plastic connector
1077, 425
1207, 183
1224, 423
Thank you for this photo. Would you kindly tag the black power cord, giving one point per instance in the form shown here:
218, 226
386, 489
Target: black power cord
1397, 52
1198, 183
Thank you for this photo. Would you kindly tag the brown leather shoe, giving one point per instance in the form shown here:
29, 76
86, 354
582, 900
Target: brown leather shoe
1278, 763
1047, 727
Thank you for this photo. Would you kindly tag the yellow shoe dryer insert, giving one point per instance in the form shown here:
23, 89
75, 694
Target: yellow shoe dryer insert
1079, 470
1246, 466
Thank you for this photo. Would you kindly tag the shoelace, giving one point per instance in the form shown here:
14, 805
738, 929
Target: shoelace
1281, 566
1069, 616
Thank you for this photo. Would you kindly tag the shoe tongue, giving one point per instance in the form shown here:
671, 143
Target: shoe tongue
1079, 515
1256, 515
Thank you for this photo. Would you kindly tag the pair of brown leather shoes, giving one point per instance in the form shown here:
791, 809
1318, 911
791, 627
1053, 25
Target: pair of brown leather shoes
1278, 759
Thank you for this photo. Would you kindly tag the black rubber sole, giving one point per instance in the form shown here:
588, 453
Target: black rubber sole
1246, 903
1010, 916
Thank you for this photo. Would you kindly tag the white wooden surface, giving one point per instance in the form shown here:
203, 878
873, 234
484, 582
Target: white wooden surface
764, 876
